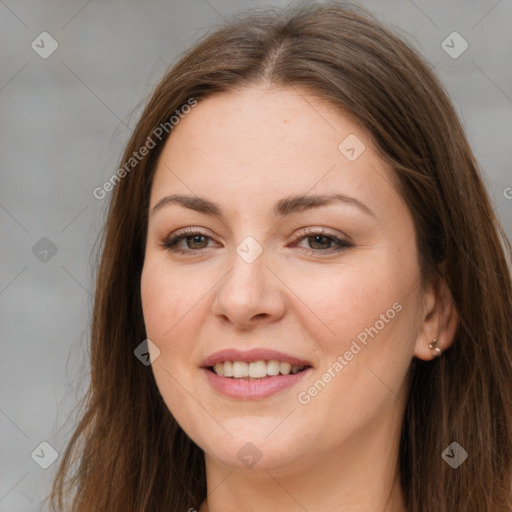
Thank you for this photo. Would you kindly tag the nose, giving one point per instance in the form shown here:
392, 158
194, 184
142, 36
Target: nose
249, 294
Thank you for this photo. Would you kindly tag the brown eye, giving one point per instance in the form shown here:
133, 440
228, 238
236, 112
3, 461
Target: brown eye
315, 239
195, 242
322, 242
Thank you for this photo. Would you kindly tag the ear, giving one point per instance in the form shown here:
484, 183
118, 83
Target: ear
439, 319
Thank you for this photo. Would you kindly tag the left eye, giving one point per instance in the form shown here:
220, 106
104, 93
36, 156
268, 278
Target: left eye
324, 241
196, 241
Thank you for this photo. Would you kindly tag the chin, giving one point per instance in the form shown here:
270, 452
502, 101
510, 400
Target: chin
253, 451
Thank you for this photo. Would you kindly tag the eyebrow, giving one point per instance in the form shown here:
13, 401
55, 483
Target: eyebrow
281, 208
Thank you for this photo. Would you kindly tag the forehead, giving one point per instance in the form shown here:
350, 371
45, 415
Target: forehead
261, 121
263, 142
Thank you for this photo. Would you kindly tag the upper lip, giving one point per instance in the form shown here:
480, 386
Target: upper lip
250, 356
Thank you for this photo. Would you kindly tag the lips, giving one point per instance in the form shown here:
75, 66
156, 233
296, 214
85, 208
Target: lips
253, 388
252, 356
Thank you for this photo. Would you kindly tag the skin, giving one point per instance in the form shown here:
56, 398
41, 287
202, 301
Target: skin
245, 150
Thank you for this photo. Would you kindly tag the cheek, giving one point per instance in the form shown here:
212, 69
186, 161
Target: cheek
372, 311
345, 301
366, 312
168, 305
157, 303
167, 296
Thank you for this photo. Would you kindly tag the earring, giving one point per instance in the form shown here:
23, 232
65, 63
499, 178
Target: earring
432, 346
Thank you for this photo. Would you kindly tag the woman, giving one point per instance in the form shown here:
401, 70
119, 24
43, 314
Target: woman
304, 299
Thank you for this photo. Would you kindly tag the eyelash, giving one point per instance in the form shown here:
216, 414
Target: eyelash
170, 243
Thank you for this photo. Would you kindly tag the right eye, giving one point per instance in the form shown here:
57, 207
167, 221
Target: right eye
172, 242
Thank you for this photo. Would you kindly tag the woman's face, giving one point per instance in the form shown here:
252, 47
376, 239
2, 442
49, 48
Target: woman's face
330, 283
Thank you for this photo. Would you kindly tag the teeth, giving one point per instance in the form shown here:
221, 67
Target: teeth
273, 367
255, 370
227, 368
219, 369
258, 369
285, 368
240, 369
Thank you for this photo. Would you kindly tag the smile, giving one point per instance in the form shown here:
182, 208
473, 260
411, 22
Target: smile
253, 388
255, 370
253, 374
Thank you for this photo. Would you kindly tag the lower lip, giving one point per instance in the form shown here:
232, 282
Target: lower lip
253, 389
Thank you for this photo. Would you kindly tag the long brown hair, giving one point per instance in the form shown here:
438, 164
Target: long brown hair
131, 455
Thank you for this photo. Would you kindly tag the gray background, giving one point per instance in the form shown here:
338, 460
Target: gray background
64, 121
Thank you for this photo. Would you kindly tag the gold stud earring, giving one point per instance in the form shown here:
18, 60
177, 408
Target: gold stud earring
432, 346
